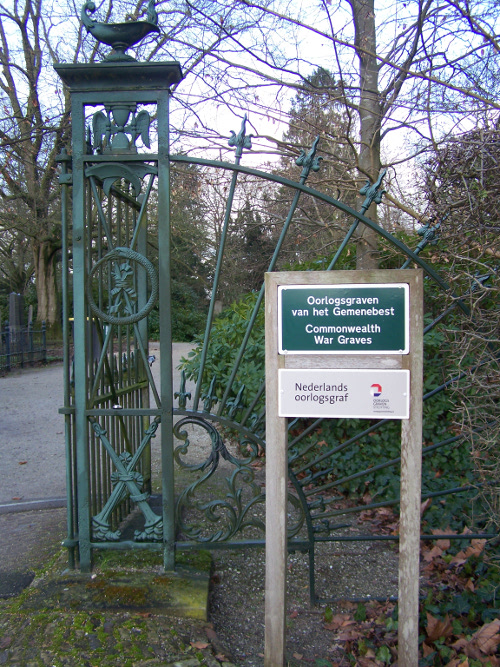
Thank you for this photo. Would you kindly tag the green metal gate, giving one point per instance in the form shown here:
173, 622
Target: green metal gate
118, 174
110, 423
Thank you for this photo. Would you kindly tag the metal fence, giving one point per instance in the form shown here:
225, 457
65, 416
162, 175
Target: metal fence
21, 346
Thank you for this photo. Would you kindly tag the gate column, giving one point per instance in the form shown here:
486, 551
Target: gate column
115, 286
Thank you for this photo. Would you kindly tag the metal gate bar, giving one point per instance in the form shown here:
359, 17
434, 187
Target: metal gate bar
109, 423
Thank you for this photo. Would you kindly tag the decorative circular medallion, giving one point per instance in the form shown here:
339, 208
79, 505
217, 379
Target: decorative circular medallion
116, 270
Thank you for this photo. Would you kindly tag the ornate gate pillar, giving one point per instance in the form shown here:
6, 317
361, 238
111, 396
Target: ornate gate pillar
118, 162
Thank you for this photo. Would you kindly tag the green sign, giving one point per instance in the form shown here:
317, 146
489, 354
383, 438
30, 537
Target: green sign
343, 319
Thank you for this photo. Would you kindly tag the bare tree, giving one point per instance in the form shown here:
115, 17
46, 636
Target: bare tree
16, 268
407, 74
33, 129
35, 122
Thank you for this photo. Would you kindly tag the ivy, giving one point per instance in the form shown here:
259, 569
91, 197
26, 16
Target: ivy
447, 462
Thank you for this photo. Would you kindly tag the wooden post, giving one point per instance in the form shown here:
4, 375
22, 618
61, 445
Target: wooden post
276, 493
411, 476
276, 448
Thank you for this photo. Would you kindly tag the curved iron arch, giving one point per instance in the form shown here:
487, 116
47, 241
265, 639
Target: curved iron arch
295, 185
313, 510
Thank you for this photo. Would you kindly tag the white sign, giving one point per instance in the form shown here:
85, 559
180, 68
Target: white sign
351, 393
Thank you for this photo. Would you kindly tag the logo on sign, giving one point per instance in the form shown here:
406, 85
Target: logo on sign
375, 389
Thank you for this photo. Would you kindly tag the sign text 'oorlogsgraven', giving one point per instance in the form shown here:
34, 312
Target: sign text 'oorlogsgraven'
343, 319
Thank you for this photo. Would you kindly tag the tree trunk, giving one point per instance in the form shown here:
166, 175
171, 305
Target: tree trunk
363, 12
45, 261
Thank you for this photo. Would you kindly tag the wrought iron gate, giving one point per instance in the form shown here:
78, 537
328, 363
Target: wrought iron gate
110, 423
119, 162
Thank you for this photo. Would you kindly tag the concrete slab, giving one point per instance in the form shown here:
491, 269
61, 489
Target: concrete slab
183, 593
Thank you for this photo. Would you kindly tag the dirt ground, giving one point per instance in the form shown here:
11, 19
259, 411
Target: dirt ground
32, 449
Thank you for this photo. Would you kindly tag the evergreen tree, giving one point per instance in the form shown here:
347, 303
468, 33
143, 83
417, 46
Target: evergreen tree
317, 111
190, 254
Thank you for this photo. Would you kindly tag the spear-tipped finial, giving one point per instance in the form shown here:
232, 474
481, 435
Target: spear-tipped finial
308, 161
240, 140
373, 192
429, 233
182, 395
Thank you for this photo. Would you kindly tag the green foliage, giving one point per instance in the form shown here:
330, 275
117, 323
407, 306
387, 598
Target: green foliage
188, 315
458, 619
462, 178
346, 262
461, 603
351, 467
317, 110
189, 251
360, 613
384, 655
227, 333
248, 251
447, 466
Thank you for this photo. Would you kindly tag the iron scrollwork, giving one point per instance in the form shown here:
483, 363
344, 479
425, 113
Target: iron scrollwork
242, 504
234, 509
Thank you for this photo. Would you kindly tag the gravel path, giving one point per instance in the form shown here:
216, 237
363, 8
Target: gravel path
32, 454
32, 435
32, 431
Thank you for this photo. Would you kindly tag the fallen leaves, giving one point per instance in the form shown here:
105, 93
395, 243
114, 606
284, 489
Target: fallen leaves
437, 629
458, 662
433, 553
367, 638
381, 520
368, 662
484, 642
474, 549
425, 506
455, 631
340, 621
446, 572
488, 637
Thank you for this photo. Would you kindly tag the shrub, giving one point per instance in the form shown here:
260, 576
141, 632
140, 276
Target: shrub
444, 467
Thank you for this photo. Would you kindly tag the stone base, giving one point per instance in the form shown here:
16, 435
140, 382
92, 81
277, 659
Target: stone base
183, 593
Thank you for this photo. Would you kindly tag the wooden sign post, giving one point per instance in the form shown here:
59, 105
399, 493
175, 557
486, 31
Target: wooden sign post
343, 344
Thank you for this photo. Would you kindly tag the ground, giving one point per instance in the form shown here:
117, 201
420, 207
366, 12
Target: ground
34, 632
329, 634
32, 442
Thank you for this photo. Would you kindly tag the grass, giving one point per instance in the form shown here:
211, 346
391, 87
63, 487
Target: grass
58, 636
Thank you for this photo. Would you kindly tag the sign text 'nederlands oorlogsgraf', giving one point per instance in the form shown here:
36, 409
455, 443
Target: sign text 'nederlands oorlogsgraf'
349, 393
343, 319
